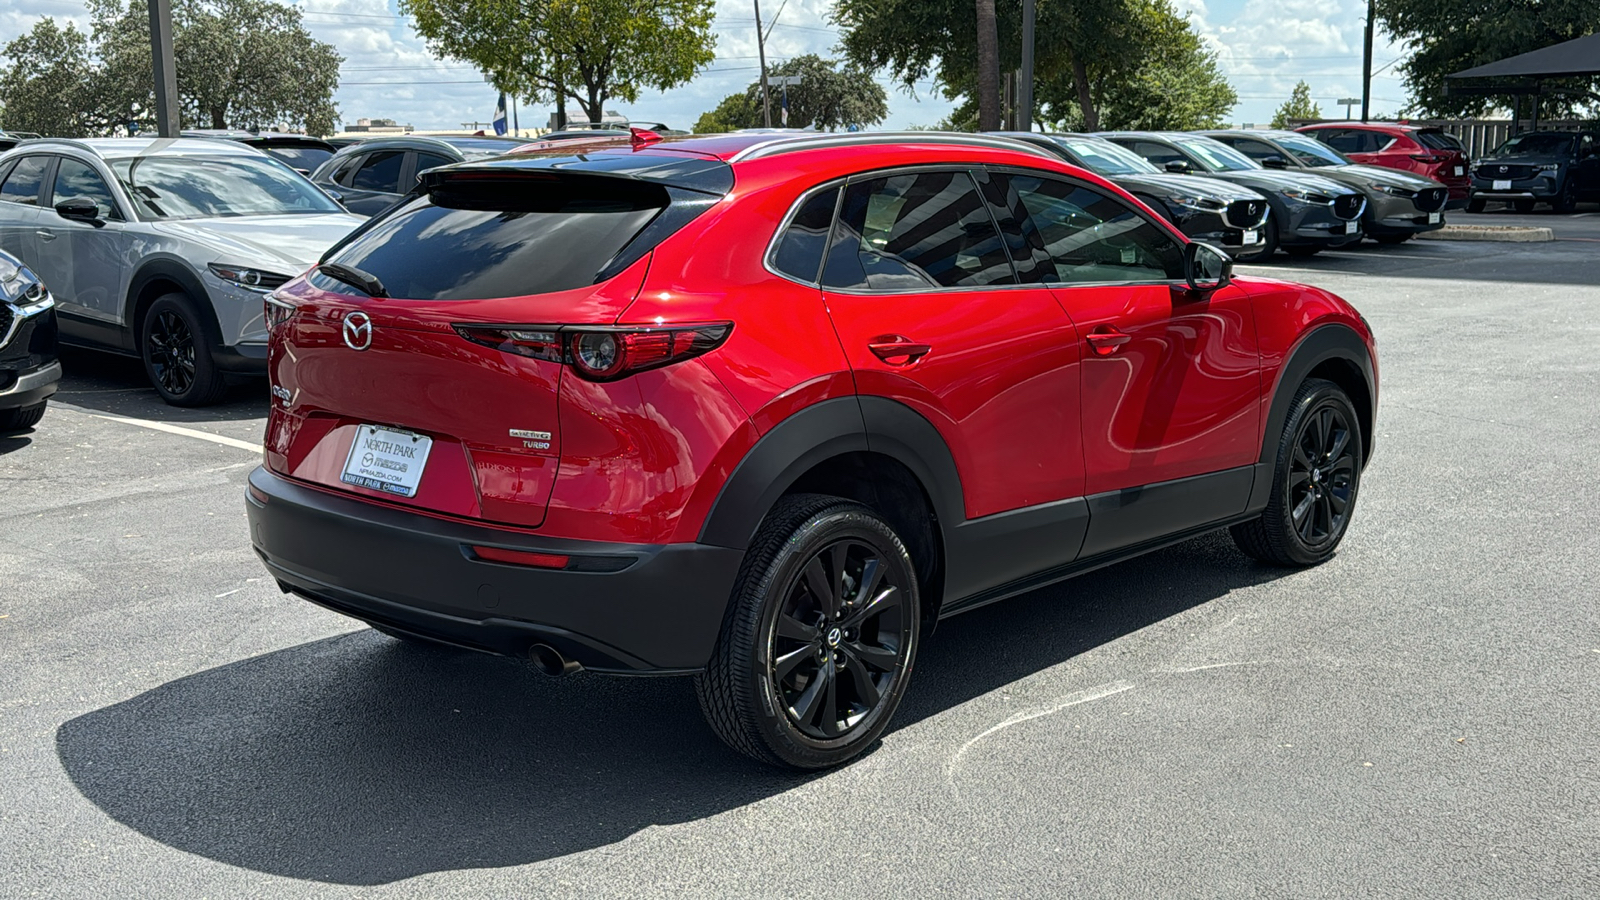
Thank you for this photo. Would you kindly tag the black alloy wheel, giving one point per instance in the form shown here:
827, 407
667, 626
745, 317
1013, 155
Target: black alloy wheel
1316, 480
176, 356
819, 639
1476, 205
1567, 200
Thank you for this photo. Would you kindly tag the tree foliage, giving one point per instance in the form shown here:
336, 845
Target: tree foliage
1098, 63
240, 64
1451, 35
828, 97
42, 87
1297, 107
588, 50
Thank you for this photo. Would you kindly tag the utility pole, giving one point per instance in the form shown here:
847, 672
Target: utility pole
1366, 65
166, 71
761, 51
1025, 83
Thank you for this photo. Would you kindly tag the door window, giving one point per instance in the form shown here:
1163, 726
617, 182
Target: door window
75, 179
426, 161
1092, 238
22, 185
1342, 140
380, 171
1160, 154
799, 251
1256, 150
914, 232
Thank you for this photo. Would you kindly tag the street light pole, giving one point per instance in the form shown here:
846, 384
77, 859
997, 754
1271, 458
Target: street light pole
166, 70
1025, 89
1366, 65
761, 51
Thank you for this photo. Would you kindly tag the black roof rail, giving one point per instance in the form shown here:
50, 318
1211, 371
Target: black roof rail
794, 143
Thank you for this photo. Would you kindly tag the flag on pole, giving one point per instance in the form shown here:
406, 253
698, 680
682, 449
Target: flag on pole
500, 115
783, 114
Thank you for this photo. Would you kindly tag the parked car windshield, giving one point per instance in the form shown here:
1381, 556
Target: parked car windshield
1106, 158
306, 159
193, 187
1536, 143
1217, 156
1311, 152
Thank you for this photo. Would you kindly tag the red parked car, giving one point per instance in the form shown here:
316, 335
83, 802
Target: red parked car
1429, 152
763, 408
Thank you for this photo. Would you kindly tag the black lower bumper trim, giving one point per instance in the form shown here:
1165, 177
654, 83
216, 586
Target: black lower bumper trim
409, 572
241, 359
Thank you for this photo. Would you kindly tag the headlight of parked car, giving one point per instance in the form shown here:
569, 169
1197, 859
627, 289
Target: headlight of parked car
1307, 196
20, 288
1397, 191
1197, 204
256, 280
1548, 167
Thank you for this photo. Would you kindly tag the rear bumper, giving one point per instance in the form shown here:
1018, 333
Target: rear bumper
638, 609
241, 358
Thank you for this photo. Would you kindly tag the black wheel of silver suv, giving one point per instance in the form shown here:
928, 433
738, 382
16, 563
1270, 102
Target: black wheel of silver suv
819, 639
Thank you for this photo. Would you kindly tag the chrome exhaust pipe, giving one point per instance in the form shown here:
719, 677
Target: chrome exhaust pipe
549, 660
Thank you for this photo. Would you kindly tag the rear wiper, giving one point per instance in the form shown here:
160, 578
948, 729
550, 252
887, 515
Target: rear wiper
354, 277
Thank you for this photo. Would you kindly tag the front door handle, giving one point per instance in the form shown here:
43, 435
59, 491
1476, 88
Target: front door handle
896, 350
1107, 340
46, 234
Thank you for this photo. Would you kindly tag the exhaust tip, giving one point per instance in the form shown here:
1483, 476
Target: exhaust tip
549, 660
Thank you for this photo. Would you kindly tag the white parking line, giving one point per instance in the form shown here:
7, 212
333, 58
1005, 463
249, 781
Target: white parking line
186, 432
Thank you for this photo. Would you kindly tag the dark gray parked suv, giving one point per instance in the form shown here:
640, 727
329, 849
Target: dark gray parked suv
370, 176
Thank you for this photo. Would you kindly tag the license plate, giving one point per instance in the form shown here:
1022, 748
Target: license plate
388, 460
1435, 218
1250, 237
1345, 228
1460, 170
1502, 185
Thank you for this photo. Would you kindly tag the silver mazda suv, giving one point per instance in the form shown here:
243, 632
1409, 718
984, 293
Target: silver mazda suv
165, 248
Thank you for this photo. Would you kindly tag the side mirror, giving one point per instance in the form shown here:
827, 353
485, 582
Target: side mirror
80, 209
1206, 268
1275, 162
337, 197
1178, 166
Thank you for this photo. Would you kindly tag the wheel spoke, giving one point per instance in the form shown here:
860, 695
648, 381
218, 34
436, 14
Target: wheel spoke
871, 577
1339, 501
817, 584
1324, 424
887, 599
805, 706
837, 554
1300, 458
1298, 477
786, 663
795, 630
1341, 440
881, 658
830, 700
1303, 507
1343, 464
866, 688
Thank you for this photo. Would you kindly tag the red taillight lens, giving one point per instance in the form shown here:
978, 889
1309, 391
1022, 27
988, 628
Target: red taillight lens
602, 354
277, 311
1427, 157
521, 557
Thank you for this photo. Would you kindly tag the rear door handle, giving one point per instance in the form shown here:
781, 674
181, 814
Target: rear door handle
1107, 341
896, 350
47, 235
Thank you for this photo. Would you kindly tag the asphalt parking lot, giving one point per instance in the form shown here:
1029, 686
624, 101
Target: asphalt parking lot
1417, 717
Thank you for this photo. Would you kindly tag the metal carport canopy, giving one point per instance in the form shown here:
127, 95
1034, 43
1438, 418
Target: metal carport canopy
1575, 57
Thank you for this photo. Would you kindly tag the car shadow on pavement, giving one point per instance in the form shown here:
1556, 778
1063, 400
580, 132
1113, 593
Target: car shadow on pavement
362, 760
118, 385
12, 441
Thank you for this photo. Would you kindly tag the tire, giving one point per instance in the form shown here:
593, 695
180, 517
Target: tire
1304, 251
1266, 253
1475, 205
1567, 200
1391, 240
23, 418
177, 354
808, 669
1318, 466
1523, 206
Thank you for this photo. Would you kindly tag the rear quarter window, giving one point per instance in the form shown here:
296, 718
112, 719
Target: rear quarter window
1438, 140
799, 250
502, 238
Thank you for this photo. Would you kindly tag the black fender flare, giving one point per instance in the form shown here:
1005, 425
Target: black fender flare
1329, 341
819, 433
171, 270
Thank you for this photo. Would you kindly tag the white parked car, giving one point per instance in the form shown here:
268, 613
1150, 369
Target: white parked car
165, 248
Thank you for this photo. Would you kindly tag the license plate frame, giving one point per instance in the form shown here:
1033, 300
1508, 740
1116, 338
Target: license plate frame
387, 460
1502, 184
1435, 218
1250, 237
1460, 170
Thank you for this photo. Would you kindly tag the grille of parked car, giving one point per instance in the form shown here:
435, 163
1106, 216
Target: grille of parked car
1246, 213
1432, 199
7, 319
1347, 206
1498, 170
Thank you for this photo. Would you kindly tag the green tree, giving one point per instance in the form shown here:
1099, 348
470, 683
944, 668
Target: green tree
589, 50
1098, 63
741, 110
44, 84
1298, 107
240, 64
828, 97
1451, 35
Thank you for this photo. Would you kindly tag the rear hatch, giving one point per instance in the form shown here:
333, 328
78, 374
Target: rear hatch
388, 381
1445, 156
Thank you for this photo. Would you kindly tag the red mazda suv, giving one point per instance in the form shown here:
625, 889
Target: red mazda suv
1429, 152
764, 408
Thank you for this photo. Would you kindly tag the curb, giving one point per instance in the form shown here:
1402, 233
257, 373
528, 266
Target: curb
1521, 234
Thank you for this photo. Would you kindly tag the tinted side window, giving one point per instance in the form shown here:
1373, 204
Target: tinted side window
1256, 150
74, 179
426, 161
1094, 238
799, 251
1160, 154
380, 171
1342, 141
1437, 140
347, 167
910, 232
22, 185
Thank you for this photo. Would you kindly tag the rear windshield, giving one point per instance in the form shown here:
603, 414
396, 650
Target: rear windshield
306, 159
502, 238
1437, 140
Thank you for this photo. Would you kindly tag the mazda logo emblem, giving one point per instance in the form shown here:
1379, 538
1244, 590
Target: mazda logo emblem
357, 331
1502, 170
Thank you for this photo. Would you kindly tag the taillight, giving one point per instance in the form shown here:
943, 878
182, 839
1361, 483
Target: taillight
602, 354
1427, 157
278, 311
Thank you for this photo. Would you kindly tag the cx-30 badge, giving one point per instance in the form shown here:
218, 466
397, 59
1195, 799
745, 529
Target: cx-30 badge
357, 331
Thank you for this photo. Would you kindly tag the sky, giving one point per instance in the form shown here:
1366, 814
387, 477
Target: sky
1263, 47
